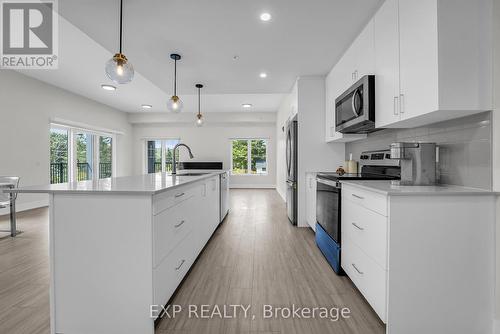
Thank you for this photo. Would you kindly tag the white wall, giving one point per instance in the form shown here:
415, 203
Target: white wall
496, 145
315, 155
307, 99
26, 108
209, 143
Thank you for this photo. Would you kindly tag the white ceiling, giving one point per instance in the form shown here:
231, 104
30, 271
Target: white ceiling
303, 38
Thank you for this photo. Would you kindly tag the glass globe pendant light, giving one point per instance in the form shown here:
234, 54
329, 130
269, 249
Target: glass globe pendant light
175, 104
199, 116
118, 68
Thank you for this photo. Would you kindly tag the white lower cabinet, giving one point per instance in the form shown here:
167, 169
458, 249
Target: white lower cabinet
424, 262
367, 229
172, 269
311, 200
367, 275
180, 232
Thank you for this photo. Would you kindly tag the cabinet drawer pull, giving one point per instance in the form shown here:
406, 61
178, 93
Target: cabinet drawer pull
180, 265
357, 226
396, 105
357, 196
401, 103
356, 268
179, 195
180, 224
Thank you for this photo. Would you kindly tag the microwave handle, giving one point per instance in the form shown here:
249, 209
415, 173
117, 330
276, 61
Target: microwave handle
353, 102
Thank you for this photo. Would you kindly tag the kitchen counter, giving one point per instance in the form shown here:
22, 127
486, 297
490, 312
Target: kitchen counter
386, 188
147, 184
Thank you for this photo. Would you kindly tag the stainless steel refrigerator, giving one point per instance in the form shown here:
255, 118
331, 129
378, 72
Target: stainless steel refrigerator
291, 169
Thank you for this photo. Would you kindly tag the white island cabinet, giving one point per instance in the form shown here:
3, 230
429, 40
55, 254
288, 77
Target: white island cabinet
423, 257
120, 247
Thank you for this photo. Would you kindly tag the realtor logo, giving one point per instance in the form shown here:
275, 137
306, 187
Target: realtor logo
29, 34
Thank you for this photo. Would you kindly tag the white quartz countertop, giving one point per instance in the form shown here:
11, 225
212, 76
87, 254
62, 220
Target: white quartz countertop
387, 188
147, 184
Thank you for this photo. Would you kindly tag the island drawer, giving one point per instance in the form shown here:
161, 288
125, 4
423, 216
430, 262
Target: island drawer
369, 278
171, 271
369, 199
168, 199
367, 229
170, 227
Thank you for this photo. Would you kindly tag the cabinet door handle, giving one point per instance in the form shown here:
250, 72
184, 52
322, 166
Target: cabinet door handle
352, 76
357, 196
180, 224
356, 75
180, 265
401, 103
179, 195
356, 268
396, 105
357, 226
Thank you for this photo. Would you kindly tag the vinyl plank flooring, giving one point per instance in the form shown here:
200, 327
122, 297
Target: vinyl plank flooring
255, 258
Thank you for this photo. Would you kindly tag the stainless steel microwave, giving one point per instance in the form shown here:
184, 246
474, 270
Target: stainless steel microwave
355, 108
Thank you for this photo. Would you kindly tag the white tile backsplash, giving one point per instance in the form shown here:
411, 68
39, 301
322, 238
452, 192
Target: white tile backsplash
465, 148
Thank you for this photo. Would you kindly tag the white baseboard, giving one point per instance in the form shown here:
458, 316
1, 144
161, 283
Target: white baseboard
26, 206
252, 186
283, 196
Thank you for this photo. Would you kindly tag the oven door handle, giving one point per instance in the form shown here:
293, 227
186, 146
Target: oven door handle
328, 183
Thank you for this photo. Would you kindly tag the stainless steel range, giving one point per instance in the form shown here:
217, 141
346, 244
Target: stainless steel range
375, 165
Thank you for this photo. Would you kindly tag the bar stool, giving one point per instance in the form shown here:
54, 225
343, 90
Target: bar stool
8, 199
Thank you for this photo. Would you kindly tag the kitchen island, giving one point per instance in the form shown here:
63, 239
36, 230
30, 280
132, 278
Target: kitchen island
120, 247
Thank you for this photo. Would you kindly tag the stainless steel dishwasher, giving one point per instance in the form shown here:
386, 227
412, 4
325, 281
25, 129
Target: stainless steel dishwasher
224, 195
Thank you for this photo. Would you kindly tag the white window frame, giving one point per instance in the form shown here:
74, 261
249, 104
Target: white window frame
163, 151
249, 156
72, 131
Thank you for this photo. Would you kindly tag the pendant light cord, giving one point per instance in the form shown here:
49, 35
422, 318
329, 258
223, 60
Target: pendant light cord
121, 24
199, 100
175, 77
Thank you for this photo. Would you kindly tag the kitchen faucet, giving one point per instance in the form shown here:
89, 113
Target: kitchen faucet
174, 167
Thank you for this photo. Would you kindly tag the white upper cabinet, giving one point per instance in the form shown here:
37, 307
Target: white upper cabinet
387, 64
363, 52
357, 61
432, 61
418, 49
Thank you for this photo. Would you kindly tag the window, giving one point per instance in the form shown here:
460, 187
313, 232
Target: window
79, 155
249, 156
159, 155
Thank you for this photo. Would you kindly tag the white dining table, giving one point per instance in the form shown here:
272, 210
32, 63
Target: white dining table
4, 186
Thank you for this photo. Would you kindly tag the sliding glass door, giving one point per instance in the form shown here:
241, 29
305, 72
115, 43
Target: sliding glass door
79, 155
159, 155
84, 162
59, 143
105, 156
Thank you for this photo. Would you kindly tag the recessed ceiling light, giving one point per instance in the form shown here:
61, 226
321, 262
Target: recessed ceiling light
108, 87
146, 106
246, 105
265, 17
263, 75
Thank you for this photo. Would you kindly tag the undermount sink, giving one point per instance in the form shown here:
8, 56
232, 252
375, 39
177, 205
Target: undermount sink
189, 174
